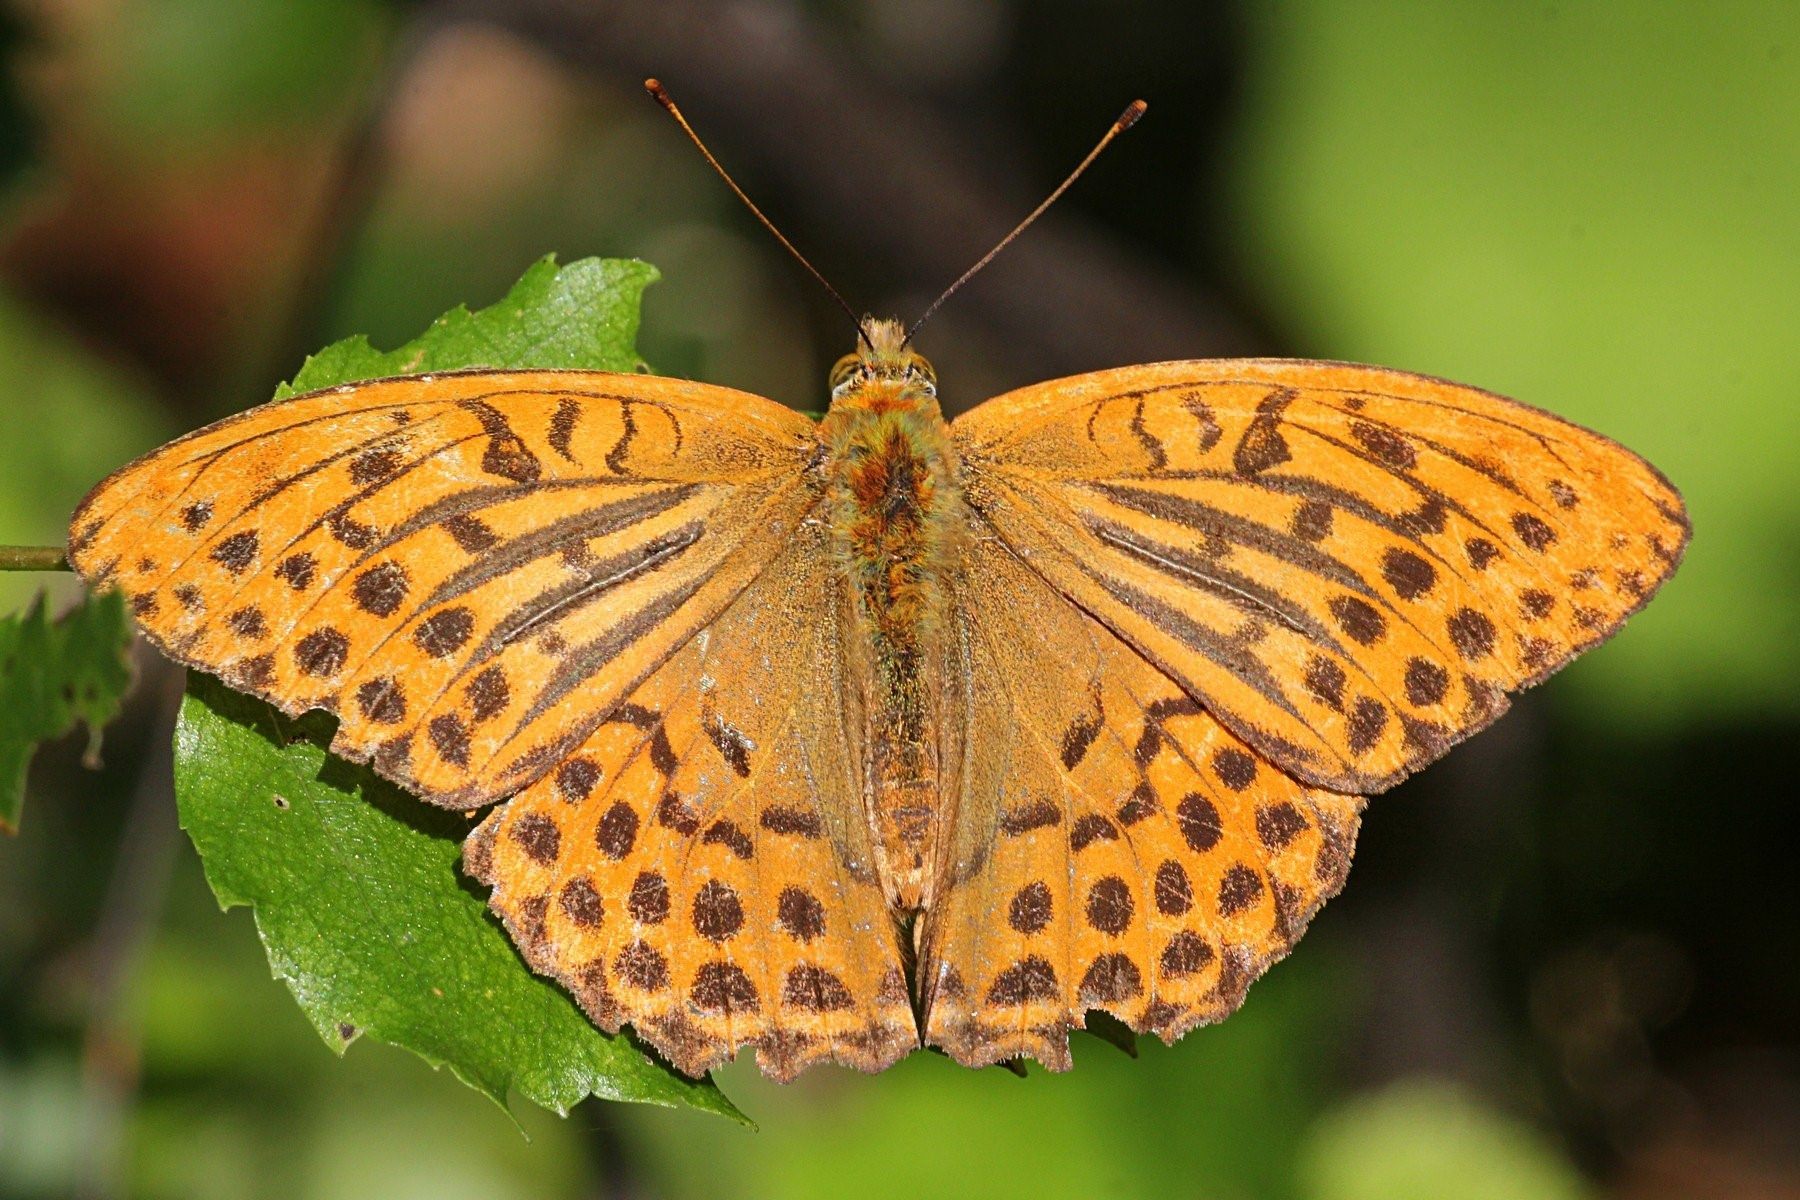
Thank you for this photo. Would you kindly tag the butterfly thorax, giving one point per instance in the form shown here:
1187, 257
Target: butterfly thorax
896, 504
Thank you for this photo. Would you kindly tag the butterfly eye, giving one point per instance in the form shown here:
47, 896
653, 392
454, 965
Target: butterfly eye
923, 374
843, 372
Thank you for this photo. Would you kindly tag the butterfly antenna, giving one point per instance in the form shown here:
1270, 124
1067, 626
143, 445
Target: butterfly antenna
662, 97
1126, 120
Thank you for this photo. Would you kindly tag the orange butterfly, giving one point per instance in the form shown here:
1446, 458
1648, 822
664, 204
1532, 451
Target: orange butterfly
838, 738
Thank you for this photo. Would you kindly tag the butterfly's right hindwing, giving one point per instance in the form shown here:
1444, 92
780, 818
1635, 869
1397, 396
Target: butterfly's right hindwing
1115, 847
701, 867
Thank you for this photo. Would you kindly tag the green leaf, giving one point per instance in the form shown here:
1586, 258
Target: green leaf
584, 315
355, 884
365, 915
53, 674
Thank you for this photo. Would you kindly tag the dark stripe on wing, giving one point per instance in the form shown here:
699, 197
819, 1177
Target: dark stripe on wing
571, 596
599, 521
1233, 655
1159, 458
583, 662
562, 426
1236, 588
1209, 521
615, 458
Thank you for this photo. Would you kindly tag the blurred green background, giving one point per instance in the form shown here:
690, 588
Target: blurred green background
1565, 965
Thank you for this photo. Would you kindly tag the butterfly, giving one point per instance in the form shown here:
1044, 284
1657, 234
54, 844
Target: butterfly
838, 738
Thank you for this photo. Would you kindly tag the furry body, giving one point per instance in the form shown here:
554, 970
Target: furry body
895, 493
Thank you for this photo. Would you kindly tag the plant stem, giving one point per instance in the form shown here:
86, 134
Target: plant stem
33, 558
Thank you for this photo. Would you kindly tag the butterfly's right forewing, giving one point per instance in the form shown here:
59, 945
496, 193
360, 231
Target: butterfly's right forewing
1348, 566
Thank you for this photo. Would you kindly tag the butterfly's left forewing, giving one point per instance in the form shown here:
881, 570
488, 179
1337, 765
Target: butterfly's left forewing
1347, 566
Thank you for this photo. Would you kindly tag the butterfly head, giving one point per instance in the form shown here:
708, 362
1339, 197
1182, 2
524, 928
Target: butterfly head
882, 365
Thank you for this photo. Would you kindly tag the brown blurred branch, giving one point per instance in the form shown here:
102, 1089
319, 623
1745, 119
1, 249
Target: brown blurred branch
33, 558
128, 919
876, 170
357, 173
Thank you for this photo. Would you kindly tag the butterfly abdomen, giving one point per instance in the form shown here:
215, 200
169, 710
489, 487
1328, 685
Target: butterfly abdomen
895, 498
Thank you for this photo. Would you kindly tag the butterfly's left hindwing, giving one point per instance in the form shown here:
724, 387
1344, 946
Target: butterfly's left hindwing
470, 569
1114, 846
1347, 566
